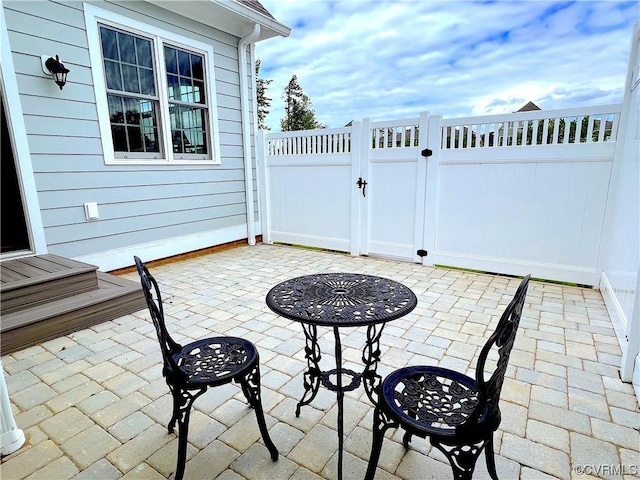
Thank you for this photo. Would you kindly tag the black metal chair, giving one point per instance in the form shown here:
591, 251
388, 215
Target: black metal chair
457, 413
191, 369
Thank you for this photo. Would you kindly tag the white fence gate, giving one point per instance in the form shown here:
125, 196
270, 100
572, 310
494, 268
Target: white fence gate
517, 193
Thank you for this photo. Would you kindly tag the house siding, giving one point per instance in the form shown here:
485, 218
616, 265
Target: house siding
137, 203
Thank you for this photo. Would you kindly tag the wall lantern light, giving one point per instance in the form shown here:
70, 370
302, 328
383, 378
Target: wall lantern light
52, 66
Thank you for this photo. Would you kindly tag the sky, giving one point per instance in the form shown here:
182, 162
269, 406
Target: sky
388, 60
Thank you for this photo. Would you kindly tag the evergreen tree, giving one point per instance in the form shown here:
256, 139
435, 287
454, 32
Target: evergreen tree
264, 102
299, 112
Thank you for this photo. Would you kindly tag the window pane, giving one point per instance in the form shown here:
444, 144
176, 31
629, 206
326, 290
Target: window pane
136, 142
143, 47
176, 121
197, 67
132, 68
127, 48
188, 129
178, 143
186, 119
190, 78
134, 124
113, 74
109, 45
130, 79
170, 58
151, 140
185, 63
198, 92
132, 111
174, 87
116, 109
202, 118
147, 82
119, 138
199, 142
186, 90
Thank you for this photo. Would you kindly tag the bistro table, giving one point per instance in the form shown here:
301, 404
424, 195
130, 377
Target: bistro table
341, 300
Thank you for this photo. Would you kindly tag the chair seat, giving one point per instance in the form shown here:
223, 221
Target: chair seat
216, 360
430, 400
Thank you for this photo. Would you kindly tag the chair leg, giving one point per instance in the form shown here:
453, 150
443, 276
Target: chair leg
462, 457
251, 388
381, 423
184, 399
177, 400
491, 461
406, 439
407, 434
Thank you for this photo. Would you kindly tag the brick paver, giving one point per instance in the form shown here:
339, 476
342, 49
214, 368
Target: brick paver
93, 404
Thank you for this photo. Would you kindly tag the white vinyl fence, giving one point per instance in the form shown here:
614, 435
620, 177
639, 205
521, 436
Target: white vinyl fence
517, 193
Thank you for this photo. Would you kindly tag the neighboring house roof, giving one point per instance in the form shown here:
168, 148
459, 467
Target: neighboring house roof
528, 107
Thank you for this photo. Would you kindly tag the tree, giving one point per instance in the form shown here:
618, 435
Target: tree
264, 102
299, 112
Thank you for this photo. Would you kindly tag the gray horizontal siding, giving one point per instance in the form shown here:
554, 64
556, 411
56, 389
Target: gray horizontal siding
74, 215
88, 180
139, 223
137, 203
65, 127
65, 199
84, 163
86, 245
68, 30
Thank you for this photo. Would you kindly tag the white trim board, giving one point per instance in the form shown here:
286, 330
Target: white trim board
18, 131
636, 378
616, 313
511, 266
168, 247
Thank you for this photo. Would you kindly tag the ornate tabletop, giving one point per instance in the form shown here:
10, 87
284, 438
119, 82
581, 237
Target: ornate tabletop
341, 299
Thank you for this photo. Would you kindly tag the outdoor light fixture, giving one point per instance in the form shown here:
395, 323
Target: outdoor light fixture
52, 66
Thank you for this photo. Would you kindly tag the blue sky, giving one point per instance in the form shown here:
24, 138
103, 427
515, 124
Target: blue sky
394, 59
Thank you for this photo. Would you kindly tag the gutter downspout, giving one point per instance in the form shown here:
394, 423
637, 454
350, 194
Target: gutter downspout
246, 129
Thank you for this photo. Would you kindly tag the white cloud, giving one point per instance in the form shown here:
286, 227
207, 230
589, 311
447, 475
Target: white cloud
389, 59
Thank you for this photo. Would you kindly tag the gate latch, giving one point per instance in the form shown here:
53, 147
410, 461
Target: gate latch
362, 184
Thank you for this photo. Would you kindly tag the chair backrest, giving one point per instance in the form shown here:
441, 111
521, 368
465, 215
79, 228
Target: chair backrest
167, 344
502, 339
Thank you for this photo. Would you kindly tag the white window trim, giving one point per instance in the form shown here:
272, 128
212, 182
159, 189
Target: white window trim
93, 16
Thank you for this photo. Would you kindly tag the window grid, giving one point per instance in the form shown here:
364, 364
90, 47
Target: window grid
187, 100
134, 105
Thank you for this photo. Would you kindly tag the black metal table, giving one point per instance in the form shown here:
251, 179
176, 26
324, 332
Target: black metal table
341, 300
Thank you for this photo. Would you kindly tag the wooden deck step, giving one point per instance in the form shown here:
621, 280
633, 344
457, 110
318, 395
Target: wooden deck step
113, 298
30, 281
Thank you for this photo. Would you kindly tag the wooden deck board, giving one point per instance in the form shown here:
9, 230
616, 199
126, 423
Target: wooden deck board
114, 298
45, 262
27, 271
45, 296
20, 272
32, 281
7, 276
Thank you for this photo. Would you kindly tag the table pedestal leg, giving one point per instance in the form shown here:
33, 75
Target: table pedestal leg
312, 375
371, 357
340, 395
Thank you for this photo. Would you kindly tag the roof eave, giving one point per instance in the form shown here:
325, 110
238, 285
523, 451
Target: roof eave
230, 17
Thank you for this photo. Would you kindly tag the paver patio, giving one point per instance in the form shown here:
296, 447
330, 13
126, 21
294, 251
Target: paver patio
94, 405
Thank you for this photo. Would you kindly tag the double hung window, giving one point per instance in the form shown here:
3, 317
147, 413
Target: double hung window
157, 105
